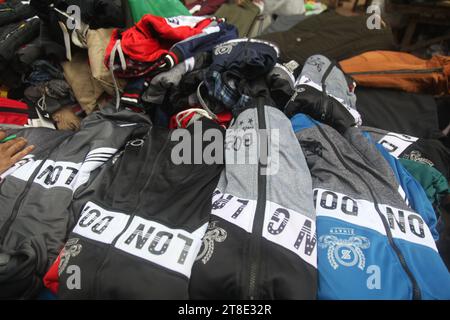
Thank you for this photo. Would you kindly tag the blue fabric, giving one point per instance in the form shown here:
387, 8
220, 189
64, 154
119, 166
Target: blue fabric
46, 295
381, 276
355, 259
415, 195
204, 42
302, 122
225, 91
234, 64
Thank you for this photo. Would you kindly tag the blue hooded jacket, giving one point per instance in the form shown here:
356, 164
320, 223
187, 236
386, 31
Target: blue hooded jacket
371, 245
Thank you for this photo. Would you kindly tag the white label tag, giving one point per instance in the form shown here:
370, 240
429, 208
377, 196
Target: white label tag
396, 143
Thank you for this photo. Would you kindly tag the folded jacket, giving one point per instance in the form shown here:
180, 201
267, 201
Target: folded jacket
140, 226
432, 181
158, 86
321, 70
332, 35
261, 241
323, 92
97, 41
400, 70
177, 82
13, 36
44, 71
243, 16
205, 41
78, 75
37, 192
13, 112
50, 96
153, 36
234, 64
371, 245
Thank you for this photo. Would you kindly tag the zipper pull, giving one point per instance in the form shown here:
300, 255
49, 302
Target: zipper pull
297, 90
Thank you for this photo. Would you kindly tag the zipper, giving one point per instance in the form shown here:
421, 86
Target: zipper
23, 25
324, 102
155, 166
130, 219
255, 241
400, 71
416, 289
4, 230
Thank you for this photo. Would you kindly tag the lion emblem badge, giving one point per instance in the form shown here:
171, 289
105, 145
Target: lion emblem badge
346, 252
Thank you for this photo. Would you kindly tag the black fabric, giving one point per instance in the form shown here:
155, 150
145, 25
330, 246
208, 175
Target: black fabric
26, 55
443, 105
52, 41
332, 35
146, 184
235, 64
321, 107
95, 13
397, 111
14, 11
432, 152
34, 220
13, 36
50, 96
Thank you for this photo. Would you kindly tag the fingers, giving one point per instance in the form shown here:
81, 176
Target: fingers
13, 146
5, 146
18, 156
2, 135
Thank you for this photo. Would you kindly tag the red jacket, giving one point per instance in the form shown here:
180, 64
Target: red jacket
13, 112
153, 36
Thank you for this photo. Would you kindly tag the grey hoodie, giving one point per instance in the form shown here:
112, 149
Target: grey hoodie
261, 242
36, 193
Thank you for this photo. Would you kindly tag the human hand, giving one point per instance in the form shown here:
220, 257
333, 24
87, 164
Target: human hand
12, 151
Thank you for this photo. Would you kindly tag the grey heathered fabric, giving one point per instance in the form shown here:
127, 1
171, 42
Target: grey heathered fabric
336, 82
328, 171
291, 186
35, 236
162, 82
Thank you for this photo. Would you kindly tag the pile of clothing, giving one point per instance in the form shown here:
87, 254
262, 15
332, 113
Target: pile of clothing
200, 164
